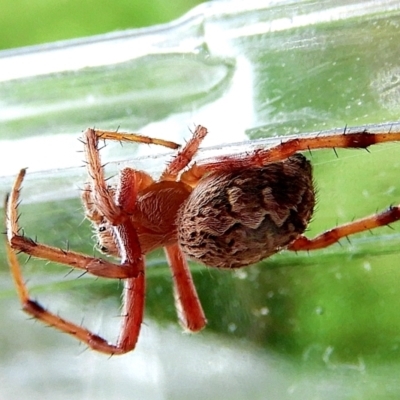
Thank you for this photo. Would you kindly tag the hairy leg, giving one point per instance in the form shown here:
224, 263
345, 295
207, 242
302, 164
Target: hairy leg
190, 312
288, 147
334, 235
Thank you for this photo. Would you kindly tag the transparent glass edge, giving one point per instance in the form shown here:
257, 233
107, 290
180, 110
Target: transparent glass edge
200, 25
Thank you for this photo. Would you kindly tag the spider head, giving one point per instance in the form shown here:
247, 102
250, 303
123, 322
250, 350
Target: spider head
105, 241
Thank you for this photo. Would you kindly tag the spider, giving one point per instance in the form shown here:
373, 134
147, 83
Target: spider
225, 212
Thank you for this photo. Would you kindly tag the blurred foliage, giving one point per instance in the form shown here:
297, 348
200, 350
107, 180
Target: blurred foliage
24, 22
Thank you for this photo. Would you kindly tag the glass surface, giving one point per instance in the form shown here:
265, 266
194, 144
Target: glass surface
318, 325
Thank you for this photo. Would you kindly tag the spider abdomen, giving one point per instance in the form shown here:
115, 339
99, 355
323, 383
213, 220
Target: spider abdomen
236, 218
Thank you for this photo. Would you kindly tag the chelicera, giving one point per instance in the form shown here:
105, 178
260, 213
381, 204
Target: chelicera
226, 212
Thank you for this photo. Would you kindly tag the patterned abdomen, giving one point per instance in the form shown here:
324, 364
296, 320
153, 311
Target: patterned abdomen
236, 218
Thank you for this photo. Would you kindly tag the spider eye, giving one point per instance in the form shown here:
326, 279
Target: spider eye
102, 228
102, 248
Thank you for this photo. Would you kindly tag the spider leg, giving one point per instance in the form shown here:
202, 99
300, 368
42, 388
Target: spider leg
18, 242
288, 147
37, 311
132, 265
184, 156
101, 195
117, 208
332, 236
131, 137
91, 211
190, 312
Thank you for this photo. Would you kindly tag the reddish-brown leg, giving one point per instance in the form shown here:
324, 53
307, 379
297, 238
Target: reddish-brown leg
334, 235
183, 158
116, 209
34, 309
131, 137
190, 312
258, 158
20, 243
134, 289
129, 248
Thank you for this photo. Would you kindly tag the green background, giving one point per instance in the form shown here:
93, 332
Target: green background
24, 22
